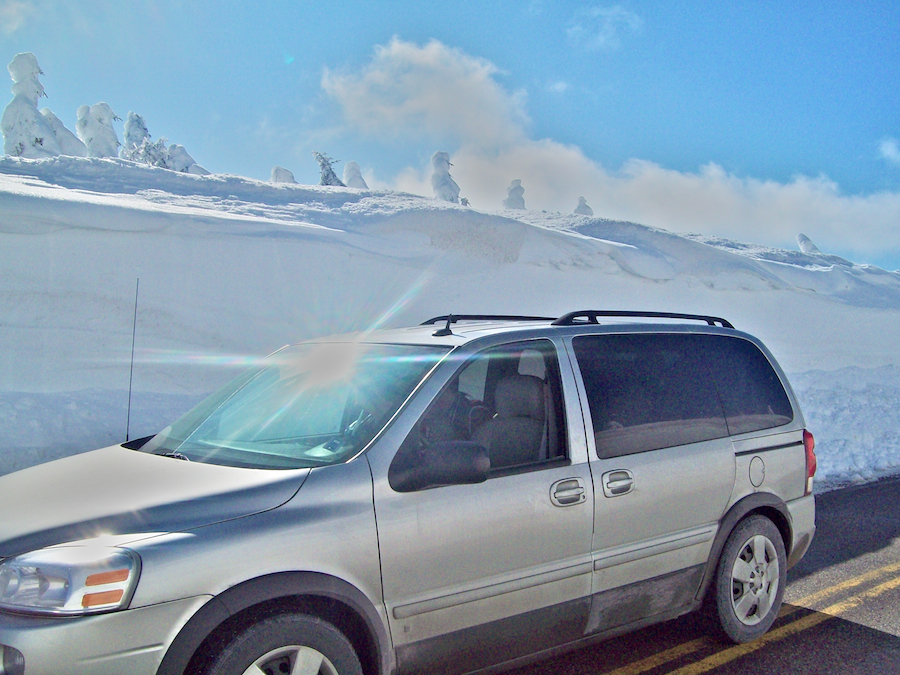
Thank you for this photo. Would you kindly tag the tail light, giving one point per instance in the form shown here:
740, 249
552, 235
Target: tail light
809, 444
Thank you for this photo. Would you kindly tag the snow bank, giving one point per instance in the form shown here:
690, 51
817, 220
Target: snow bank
232, 269
854, 414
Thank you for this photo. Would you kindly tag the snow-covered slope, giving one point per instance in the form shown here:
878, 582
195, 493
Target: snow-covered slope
231, 269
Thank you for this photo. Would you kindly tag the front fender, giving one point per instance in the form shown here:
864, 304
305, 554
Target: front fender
270, 589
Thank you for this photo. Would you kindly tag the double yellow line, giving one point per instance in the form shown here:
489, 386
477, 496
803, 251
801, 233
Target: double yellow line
804, 623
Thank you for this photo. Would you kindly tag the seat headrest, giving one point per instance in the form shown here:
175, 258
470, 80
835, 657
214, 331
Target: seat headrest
520, 396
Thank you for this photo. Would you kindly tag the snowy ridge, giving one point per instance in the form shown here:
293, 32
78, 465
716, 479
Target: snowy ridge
232, 268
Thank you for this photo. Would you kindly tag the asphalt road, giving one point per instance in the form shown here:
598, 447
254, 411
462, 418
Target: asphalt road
841, 612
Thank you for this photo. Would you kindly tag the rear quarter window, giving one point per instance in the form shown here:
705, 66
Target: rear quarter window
647, 391
751, 392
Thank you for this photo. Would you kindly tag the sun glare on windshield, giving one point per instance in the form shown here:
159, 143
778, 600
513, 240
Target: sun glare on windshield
309, 405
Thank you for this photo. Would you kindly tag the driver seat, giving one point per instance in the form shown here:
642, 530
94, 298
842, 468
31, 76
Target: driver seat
516, 434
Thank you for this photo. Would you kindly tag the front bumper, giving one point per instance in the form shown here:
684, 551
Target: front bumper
131, 641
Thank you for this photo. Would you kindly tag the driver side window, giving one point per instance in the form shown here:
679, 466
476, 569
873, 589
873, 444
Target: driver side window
506, 400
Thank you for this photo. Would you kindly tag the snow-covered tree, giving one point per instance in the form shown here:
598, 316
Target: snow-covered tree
135, 133
328, 176
806, 245
515, 195
154, 153
26, 132
139, 147
583, 209
95, 129
68, 142
282, 175
353, 176
444, 186
180, 160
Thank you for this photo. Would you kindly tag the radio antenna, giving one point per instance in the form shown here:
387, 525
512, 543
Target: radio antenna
137, 288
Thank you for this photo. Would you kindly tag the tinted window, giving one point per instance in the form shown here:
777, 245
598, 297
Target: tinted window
647, 392
751, 393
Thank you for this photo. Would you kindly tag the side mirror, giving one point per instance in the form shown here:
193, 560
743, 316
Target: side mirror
445, 463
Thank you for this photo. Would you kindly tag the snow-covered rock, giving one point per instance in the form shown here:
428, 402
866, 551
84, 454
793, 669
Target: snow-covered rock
282, 175
583, 209
806, 245
180, 160
353, 176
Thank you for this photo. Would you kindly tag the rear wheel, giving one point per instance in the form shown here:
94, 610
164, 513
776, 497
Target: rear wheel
750, 579
291, 644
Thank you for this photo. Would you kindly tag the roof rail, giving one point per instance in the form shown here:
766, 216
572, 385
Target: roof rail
591, 316
453, 318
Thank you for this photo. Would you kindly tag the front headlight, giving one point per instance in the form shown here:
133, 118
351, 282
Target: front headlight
69, 580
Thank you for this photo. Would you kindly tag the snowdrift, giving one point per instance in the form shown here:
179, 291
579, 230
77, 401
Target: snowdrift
231, 269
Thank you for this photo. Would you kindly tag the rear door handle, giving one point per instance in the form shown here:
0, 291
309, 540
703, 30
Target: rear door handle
617, 483
567, 492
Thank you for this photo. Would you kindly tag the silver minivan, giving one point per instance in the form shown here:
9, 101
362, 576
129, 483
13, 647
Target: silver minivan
473, 492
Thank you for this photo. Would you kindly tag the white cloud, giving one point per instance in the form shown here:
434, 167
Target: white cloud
432, 90
13, 14
601, 28
889, 150
459, 97
558, 87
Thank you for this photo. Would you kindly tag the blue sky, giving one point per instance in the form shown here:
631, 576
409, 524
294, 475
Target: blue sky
753, 121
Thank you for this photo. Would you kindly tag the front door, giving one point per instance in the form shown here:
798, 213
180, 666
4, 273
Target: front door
502, 568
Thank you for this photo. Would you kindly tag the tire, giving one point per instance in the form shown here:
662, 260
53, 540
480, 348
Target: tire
290, 644
750, 580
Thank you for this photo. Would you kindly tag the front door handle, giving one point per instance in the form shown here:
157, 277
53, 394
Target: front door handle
617, 483
567, 492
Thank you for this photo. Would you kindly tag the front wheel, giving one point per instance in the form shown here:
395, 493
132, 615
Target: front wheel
291, 644
750, 579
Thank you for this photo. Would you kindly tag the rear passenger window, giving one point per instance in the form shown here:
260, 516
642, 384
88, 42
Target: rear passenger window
647, 391
751, 393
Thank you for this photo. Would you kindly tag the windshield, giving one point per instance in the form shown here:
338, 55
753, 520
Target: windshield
308, 405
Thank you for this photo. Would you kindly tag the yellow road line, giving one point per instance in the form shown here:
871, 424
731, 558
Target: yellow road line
678, 651
808, 621
849, 583
662, 657
723, 657
856, 600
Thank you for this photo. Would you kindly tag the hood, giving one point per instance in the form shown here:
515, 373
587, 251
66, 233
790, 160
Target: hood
121, 491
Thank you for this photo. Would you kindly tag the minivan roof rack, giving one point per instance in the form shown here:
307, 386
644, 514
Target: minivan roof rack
453, 318
592, 316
